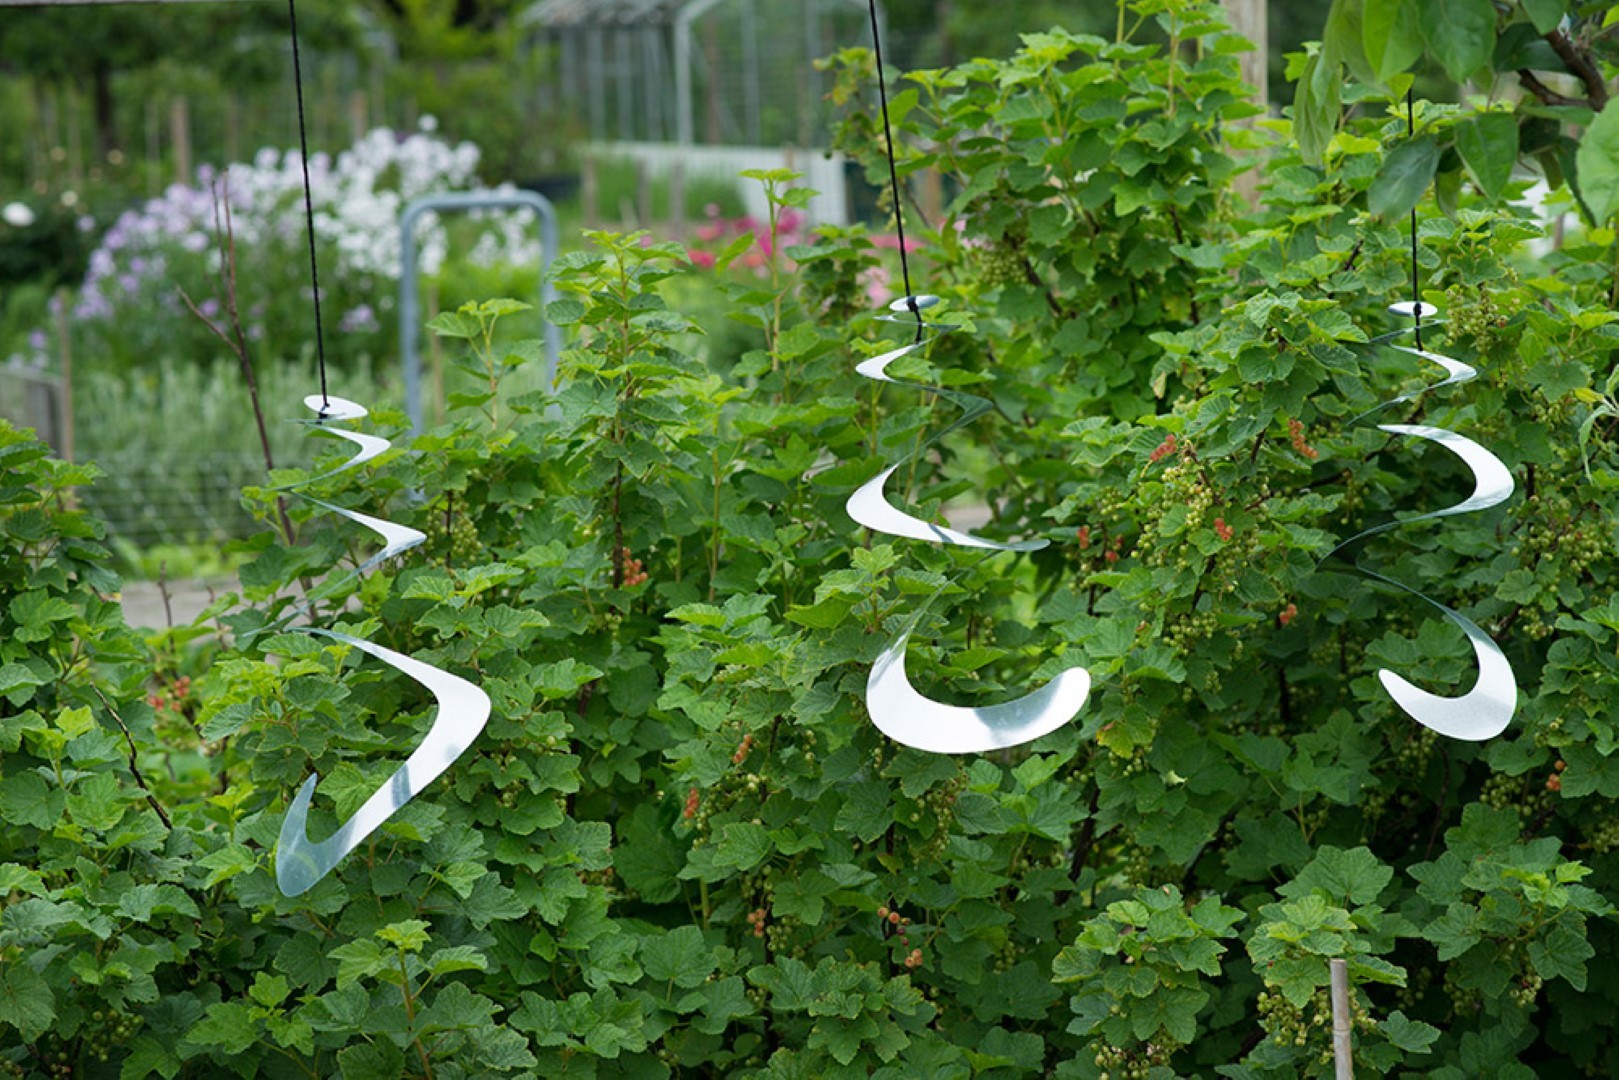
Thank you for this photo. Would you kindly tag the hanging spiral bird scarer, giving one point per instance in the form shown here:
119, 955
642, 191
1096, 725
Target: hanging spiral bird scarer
895, 706
1485, 710
463, 708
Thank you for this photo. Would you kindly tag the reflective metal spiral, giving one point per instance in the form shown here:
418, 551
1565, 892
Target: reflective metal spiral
1485, 710
897, 709
463, 708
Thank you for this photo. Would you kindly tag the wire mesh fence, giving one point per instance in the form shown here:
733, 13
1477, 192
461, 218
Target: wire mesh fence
147, 503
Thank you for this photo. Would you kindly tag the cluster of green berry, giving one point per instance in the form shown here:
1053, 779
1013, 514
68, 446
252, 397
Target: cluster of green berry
455, 539
1604, 836
1474, 313
1519, 793
938, 805
1007, 954
1552, 527
1286, 1025
1135, 1063
1000, 260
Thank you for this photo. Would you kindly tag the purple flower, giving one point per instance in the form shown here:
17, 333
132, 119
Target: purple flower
209, 308
37, 341
360, 320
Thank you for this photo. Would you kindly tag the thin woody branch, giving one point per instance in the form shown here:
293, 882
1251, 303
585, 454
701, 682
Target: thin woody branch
1580, 63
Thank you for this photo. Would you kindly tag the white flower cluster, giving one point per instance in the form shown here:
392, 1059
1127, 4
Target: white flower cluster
358, 200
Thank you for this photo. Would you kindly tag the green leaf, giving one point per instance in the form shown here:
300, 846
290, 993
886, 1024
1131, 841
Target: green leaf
25, 799
408, 935
1489, 149
1390, 36
1546, 14
679, 956
14, 878
1354, 877
743, 845
1412, 1036
1405, 175
357, 960
1459, 33
26, 1000
36, 612
1342, 39
96, 802
1316, 104
269, 990
1597, 164
226, 863
453, 958
17, 679
825, 615
453, 324
1562, 955
229, 1027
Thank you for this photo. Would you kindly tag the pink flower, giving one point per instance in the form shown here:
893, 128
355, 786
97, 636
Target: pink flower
703, 259
892, 243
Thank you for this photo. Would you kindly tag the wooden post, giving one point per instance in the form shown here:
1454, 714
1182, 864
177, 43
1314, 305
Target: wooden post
643, 194
75, 143
1343, 1054
233, 128
180, 137
932, 197
153, 169
1250, 19
51, 137
64, 357
359, 116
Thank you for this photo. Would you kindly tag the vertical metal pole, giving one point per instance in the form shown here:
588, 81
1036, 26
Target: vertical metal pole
410, 306
1343, 1055
652, 79
595, 60
683, 118
623, 77
1249, 18
567, 67
750, 72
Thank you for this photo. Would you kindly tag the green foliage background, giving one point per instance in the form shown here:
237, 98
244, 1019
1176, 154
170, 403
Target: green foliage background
681, 848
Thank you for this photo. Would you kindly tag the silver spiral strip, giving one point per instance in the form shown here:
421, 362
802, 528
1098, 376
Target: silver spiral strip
1485, 710
463, 708
896, 708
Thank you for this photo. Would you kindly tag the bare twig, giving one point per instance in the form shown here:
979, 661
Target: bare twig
1547, 96
134, 767
163, 591
236, 339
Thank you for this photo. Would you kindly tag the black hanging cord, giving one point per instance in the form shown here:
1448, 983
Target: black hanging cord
1416, 295
309, 199
893, 172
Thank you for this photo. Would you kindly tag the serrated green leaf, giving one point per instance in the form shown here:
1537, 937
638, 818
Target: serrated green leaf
26, 1001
